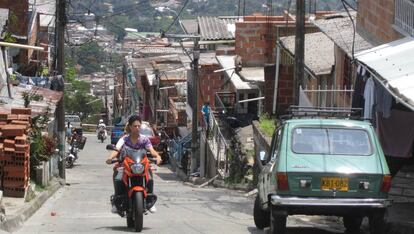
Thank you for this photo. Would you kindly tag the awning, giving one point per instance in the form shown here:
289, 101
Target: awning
392, 64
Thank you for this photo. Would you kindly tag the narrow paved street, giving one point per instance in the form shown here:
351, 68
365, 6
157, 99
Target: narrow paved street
83, 205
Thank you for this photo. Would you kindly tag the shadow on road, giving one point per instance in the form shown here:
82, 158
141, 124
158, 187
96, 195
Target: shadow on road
121, 228
294, 230
167, 176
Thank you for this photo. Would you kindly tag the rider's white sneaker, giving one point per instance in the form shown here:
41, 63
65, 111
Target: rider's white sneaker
153, 209
114, 209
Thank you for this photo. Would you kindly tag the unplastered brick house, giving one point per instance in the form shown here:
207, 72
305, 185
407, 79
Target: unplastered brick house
15, 151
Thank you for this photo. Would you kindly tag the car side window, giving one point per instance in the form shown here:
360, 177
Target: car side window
276, 141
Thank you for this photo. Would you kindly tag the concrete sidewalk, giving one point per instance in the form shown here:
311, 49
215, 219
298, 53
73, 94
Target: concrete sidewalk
17, 211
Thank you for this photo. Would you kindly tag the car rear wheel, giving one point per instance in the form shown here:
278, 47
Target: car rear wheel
261, 217
352, 223
377, 222
277, 223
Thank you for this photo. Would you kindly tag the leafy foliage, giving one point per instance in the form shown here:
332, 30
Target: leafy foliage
77, 96
42, 147
28, 97
90, 56
267, 124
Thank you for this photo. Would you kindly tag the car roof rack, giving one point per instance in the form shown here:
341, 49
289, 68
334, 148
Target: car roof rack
323, 112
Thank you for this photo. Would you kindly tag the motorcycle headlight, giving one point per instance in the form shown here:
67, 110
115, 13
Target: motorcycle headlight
137, 168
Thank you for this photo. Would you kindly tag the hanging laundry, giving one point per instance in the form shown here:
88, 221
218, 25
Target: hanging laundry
36, 81
383, 100
396, 133
369, 97
358, 94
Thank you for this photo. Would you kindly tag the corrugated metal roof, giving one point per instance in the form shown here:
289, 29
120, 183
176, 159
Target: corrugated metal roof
227, 61
160, 50
319, 52
214, 28
338, 27
253, 74
50, 99
393, 65
190, 26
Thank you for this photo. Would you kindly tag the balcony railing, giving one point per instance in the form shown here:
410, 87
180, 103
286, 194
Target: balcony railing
404, 15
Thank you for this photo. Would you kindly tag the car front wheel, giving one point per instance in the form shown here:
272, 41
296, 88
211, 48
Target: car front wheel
277, 223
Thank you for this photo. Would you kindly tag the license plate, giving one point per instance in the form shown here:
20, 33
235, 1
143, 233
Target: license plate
334, 183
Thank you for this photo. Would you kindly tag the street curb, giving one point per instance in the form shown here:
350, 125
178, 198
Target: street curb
173, 166
16, 221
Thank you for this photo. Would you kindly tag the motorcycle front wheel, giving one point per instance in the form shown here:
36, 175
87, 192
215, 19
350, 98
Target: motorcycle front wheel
138, 211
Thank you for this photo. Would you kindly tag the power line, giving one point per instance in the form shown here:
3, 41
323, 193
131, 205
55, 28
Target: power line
178, 15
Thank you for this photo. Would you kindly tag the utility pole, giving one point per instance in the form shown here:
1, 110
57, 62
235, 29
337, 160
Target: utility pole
60, 111
194, 133
299, 48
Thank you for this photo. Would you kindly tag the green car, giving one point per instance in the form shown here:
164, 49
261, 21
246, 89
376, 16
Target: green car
321, 166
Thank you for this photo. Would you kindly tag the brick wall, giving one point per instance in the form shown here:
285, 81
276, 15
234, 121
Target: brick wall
226, 50
20, 10
209, 84
270, 71
375, 19
253, 42
32, 38
285, 96
256, 37
43, 38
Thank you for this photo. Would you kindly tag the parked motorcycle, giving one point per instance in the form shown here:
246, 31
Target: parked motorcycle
136, 200
102, 135
162, 147
72, 154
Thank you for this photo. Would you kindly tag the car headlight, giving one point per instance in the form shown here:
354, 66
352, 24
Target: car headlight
137, 168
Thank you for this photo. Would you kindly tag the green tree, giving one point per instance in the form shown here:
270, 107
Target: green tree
70, 72
82, 104
90, 56
116, 25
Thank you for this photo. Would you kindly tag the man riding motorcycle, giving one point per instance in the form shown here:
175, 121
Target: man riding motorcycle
101, 127
134, 140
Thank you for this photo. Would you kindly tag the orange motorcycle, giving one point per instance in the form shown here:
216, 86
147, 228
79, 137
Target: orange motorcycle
135, 201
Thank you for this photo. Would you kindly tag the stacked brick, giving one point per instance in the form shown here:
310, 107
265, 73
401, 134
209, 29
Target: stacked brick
14, 151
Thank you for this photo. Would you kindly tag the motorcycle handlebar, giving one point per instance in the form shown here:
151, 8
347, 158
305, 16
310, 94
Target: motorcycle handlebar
152, 159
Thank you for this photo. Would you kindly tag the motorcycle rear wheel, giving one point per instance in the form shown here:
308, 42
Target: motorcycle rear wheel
69, 162
138, 211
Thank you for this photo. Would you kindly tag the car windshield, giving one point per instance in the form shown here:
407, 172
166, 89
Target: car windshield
307, 140
72, 119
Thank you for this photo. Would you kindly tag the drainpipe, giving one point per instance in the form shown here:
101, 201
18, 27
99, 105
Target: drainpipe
276, 78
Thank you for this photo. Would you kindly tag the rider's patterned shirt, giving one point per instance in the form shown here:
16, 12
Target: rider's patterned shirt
142, 143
